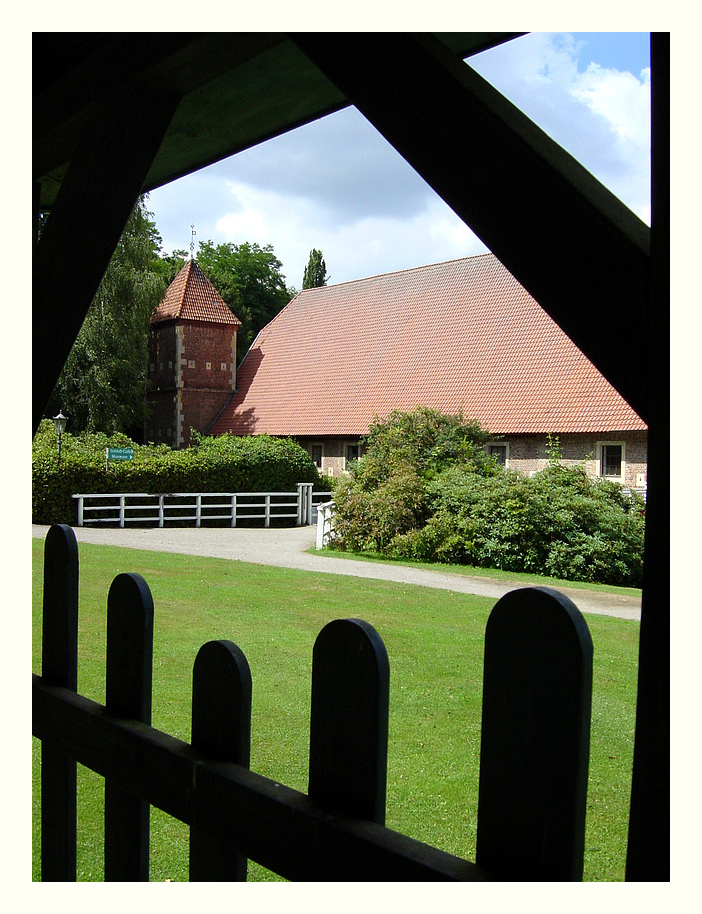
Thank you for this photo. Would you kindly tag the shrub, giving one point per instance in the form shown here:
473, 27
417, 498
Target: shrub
371, 520
425, 490
559, 523
223, 464
385, 496
426, 440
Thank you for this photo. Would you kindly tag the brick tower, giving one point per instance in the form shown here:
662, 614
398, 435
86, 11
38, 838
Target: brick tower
192, 358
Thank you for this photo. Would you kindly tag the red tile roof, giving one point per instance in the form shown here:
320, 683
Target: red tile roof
191, 296
457, 335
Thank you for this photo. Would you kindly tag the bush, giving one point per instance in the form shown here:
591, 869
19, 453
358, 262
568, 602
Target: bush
223, 464
372, 520
441, 500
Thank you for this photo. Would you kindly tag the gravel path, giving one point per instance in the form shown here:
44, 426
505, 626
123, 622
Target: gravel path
287, 548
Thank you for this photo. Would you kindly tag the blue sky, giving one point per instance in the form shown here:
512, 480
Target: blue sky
338, 186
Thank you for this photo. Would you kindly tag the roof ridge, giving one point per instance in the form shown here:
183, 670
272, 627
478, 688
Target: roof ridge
187, 268
407, 270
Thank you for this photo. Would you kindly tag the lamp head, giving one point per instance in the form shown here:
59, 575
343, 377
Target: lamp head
60, 423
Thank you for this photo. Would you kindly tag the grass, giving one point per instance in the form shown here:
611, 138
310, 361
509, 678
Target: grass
434, 641
493, 574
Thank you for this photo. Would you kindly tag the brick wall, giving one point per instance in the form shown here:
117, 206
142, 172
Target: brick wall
527, 453
192, 374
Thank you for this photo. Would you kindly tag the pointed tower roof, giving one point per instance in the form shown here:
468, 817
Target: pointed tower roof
192, 297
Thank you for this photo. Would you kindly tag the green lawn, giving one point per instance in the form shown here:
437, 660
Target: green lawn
434, 641
494, 574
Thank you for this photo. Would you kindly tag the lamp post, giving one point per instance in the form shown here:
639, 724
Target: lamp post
60, 426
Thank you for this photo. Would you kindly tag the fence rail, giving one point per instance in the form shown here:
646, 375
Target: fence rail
533, 768
201, 508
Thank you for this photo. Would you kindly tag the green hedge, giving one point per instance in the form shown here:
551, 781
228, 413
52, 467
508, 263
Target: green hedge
226, 463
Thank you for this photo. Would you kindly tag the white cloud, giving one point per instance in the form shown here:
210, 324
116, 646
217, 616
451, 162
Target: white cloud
621, 98
601, 115
352, 248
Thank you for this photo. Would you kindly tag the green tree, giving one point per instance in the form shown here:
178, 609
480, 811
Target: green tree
315, 272
103, 384
169, 265
249, 280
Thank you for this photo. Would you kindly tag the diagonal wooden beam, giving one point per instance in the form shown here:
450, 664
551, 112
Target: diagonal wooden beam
570, 242
101, 187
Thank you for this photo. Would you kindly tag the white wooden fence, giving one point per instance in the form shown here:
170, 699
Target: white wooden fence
325, 523
204, 507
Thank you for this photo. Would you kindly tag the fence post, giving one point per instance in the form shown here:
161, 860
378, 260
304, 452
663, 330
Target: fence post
349, 720
310, 486
160, 510
130, 630
121, 510
80, 510
198, 509
267, 520
535, 738
59, 666
233, 510
299, 505
221, 730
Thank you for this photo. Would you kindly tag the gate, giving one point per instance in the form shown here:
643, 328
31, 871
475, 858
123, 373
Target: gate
533, 767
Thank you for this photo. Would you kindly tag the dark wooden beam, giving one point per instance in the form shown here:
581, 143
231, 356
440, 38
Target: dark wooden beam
101, 187
648, 852
570, 242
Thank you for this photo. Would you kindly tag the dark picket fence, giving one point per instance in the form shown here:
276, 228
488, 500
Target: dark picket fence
533, 767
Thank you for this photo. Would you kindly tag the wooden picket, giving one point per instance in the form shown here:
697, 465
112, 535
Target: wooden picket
533, 770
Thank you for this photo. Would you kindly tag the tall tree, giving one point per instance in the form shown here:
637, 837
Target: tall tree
103, 383
249, 280
315, 272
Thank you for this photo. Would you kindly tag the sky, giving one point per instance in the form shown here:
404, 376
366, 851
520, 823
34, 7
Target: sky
337, 185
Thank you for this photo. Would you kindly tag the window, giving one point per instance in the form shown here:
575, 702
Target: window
352, 452
317, 451
499, 452
611, 462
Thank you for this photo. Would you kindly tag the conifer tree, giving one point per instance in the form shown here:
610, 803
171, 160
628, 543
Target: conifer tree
315, 272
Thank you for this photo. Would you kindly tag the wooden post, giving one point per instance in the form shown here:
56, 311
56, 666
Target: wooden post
349, 720
130, 631
233, 510
535, 738
221, 730
59, 666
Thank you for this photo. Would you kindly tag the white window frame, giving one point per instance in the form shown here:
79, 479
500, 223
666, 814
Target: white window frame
504, 444
599, 463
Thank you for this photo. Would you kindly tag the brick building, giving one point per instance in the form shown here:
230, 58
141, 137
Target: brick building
192, 358
462, 335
